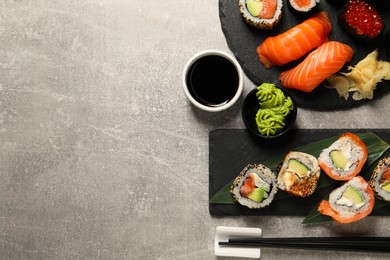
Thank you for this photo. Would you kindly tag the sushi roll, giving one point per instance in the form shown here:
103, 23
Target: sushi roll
351, 202
255, 186
344, 159
303, 5
263, 14
299, 174
380, 179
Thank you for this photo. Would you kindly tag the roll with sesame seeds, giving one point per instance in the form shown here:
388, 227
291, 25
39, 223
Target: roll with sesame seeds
380, 179
263, 14
255, 187
299, 174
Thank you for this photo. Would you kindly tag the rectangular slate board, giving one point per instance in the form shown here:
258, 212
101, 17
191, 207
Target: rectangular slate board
230, 150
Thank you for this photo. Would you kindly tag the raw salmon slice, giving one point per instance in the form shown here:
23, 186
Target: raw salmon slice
321, 63
269, 9
296, 42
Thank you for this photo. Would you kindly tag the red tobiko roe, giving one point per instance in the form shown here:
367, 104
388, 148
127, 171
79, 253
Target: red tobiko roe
363, 18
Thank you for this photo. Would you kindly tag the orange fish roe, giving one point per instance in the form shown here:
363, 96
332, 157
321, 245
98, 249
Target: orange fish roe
363, 18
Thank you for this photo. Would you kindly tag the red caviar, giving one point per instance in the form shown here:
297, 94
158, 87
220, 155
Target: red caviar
363, 18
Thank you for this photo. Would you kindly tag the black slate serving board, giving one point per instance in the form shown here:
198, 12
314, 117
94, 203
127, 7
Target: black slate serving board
230, 150
243, 40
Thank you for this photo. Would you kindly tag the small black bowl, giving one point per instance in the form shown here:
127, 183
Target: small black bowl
251, 106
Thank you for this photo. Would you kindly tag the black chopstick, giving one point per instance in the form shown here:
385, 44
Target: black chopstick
311, 239
371, 244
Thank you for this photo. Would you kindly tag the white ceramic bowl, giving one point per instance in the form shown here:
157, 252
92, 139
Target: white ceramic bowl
240, 74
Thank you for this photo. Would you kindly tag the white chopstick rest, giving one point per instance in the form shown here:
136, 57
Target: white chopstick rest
223, 233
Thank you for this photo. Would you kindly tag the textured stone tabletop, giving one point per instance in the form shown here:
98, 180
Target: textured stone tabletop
102, 156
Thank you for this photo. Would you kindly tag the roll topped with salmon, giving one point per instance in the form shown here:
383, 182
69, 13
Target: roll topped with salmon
351, 202
345, 158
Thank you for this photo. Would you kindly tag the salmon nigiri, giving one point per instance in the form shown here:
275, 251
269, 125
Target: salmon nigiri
321, 63
296, 42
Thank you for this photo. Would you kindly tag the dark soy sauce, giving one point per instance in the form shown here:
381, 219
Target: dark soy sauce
212, 80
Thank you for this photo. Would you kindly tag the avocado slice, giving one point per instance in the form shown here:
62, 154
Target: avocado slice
254, 7
297, 167
256, 195
353, 195
339, 159
386, 186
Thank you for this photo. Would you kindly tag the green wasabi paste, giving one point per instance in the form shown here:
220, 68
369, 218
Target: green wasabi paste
274, 107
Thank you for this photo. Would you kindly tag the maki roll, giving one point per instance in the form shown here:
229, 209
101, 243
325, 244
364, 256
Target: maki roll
255, 186
303, 5
299, 174
351, 202
344, 158
263, 14
380, 179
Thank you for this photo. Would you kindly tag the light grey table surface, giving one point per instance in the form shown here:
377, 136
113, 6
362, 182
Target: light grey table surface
102, 156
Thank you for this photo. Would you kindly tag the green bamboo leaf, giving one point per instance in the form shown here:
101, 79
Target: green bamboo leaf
376, 148
223, 196
380, 204
315, 217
